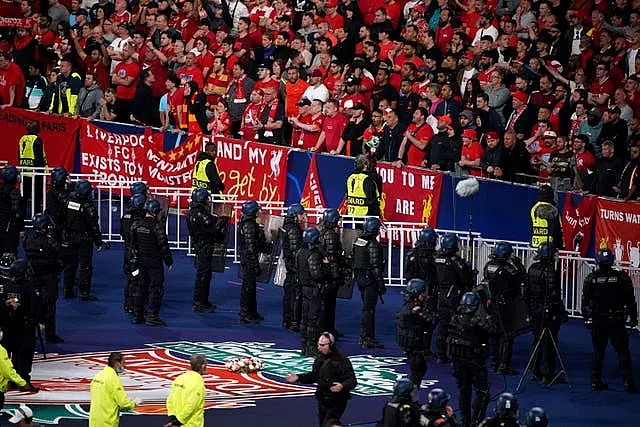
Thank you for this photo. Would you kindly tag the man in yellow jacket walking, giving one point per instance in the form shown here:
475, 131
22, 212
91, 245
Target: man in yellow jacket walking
7, 373
108, 397
185, 404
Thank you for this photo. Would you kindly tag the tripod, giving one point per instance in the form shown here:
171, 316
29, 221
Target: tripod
546, 333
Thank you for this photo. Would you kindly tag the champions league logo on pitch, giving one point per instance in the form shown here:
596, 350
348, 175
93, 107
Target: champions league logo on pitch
64, 380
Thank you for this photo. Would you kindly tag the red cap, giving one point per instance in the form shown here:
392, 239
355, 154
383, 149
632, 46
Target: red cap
469, 55
446, 119
469, 133
316, 73
521, 96
483, 78
493, 135
259, 91
420, 8
332, 3
505, 18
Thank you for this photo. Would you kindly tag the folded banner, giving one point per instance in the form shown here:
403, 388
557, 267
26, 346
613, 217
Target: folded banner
408, 195
617, 225
312, 197
577, 222
58, 135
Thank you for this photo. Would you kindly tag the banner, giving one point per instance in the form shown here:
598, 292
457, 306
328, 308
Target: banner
617, 225
17, 22
312, 197
58, 134
577, 222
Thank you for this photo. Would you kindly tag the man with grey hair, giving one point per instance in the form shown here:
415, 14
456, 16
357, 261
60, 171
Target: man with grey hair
185, 404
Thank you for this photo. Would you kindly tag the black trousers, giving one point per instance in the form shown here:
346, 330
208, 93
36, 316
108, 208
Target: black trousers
21, 343
330, 411
329, 315
311, 321
204, 273
130, 283
445, 311
417, 366
248, 302
369, 296
78, 255
472, 374
151, 287
613, 330
290, 299
546, 355
48, 284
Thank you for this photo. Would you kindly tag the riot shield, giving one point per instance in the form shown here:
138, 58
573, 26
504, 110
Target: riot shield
271, 225
348, 237
222, 212
164, 207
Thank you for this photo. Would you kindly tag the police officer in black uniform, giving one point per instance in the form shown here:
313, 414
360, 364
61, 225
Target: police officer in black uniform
543, 296
402, 410
455, 277
252, 242
467, 343
415, 318
22, 314
505, 275
204, 231
135, 212
608, 305
150, 249
505, 413
12, 211
368, 264
80, 232
437, 412
536, 417
420, 264
57, 197
313, 274
332, 249
43, 253
291, 244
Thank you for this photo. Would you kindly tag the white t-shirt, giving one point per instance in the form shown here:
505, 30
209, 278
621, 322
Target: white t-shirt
117, 46
491, 31
321, 92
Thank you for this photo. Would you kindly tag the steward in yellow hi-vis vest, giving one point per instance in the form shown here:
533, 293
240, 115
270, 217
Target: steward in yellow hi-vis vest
67, 89
363, 195
185, 404
545, 222
30, 148
205, 172
108, 397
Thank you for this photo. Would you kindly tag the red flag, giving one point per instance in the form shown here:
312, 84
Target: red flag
577, 222
312, 197
344, 207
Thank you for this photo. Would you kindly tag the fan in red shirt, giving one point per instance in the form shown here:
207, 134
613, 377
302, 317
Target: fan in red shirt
264, 78
333, 18
471, 152
186, 21
334, 124
308, 124
121, 15
125, 77
190, 72
204, 61
220, 123
12, 82
218, 80
175, 99
602, 88
416, 139
251, 117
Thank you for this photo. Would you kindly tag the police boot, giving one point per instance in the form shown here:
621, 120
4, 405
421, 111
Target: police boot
155, 320
598, 385
30, 388
507, 370
88, 297
247, 319
68, 293
137, 319
128, 309
294, 327
370, 342
203, 308
630, 386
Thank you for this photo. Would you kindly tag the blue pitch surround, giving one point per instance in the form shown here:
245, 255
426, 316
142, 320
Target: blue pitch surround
102, 326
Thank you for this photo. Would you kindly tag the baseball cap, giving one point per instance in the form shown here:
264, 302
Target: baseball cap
445, 118
614, 110
332, 3
549, 134
264, 65
20, 414
469, 55
82, 11
316, 73
492, 135
303, 102
521, 96
469, 133
353, 81
595, 113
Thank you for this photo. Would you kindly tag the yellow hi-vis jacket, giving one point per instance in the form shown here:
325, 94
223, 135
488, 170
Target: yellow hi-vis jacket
540, 232
186, 400
357, 202
7, 372
107, 399
27, 154
199, 178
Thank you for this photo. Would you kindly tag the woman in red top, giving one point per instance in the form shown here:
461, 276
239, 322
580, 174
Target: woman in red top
220, 123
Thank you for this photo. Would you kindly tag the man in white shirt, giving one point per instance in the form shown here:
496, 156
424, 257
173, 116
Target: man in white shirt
238, 10
486, 28
316, 89
116, 46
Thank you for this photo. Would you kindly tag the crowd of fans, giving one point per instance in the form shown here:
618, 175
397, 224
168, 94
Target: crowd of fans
507, 89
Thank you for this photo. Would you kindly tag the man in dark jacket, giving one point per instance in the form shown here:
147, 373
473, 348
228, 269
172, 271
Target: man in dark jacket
12, 211
608, 170
333, 373
441, 154
205, 172
515, 160
145, 109
493, 156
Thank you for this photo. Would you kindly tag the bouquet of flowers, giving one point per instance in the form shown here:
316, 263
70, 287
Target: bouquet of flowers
244, 364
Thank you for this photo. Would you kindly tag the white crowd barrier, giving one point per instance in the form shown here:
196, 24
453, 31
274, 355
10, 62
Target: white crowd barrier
398, 237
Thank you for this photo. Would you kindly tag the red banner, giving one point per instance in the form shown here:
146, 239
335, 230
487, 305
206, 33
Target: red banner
577, 222
312, 197
58, 135
617, 225
17, 22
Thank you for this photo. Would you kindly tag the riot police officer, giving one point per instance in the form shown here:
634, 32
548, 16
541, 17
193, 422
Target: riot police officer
332, 249
455, 277
543, 296
608, 305
505, 275
312, 274
420, 264
12, 211
57, 197
80, 232
150, 249
467, 343
22, 314
252, 242
536, 417
505, 412
437, 412
204, 231
291, 243
402, 410
367, 268
135, 212
43, 253
415, 318
140, 187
